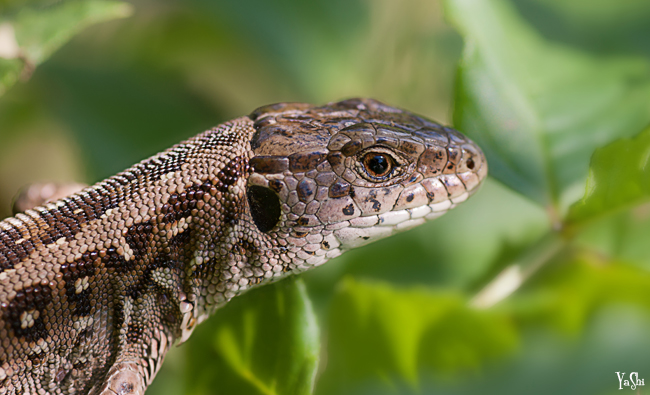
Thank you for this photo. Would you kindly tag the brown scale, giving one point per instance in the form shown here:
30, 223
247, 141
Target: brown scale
94, 288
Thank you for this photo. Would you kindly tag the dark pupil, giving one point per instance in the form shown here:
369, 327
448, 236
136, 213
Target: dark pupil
378, 164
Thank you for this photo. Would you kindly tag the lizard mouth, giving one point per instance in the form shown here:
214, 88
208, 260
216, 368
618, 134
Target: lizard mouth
367, 229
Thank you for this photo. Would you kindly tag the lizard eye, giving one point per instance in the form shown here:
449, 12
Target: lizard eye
377, 165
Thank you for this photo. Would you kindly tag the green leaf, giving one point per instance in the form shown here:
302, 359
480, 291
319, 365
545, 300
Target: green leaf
599, 11
622, 236
10, 70
539, 109
29, 36
614, 215
619, 178
378, 333
568, 294
265, 342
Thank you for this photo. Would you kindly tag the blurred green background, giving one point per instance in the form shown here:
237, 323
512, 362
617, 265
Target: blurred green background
540, 84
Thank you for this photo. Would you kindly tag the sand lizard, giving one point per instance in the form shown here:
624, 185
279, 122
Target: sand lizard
95, 287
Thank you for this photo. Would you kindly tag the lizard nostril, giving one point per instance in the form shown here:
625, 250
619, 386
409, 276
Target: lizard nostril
470, 164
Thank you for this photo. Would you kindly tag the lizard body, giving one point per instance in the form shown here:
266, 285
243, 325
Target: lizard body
95, 287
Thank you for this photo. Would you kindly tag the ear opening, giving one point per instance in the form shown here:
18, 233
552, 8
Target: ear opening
265, 207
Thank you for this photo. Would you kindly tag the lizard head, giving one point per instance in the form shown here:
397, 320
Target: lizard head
329, 178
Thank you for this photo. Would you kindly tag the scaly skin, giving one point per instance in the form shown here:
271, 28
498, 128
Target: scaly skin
95, 287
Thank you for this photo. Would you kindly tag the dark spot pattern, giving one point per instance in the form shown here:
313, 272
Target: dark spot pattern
163, 164
339, 189
25, 312
178, 206
232, 172
10, 253
74, 275
138, 237
349, 209
113, 260
306, 189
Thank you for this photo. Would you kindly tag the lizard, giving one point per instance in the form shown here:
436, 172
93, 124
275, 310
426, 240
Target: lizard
96, 286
